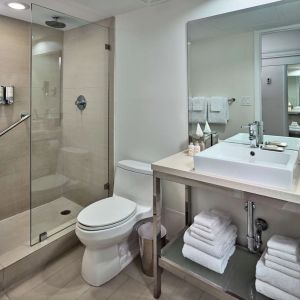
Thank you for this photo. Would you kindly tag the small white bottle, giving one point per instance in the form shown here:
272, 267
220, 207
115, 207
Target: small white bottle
191, 149
197, 148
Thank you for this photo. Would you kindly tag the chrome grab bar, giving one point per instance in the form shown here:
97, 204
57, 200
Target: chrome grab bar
24, 117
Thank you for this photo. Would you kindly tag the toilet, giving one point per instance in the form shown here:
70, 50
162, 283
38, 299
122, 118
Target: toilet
105, 226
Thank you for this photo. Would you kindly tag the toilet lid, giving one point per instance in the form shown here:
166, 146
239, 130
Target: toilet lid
107, 212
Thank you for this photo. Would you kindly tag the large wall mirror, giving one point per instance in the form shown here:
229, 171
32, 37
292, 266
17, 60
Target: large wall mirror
245, 66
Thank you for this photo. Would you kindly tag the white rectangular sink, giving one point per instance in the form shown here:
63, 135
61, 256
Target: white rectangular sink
253, 165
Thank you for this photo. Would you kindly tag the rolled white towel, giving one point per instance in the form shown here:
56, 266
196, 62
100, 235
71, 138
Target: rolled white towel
272, 292
283, 255
282, 269
208, 220
218, 250
283, 262
222, 236
275, 278
210, 262
284, 244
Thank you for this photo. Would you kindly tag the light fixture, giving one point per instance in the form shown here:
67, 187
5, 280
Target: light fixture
18, 5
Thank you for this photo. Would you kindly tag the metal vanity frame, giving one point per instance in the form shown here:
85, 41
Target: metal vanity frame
240, 280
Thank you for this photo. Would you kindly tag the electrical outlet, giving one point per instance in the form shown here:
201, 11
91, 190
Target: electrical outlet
246, 101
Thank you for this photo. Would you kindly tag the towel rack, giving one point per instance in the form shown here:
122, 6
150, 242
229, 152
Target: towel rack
24, 117
231, 100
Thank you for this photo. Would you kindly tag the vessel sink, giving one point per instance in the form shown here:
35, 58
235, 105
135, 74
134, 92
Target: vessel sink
253, 165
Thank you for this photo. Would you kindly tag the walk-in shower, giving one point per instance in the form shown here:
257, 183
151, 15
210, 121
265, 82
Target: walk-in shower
69, 145
54, 155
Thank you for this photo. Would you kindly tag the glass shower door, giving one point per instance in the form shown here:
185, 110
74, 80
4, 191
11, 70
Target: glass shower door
69, 108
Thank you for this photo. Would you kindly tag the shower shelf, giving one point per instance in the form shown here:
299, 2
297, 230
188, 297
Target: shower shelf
238, 280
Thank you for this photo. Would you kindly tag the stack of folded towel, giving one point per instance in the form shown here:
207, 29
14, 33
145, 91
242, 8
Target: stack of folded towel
210, 241
278, 270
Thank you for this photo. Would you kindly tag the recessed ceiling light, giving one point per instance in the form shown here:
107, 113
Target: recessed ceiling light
18, 5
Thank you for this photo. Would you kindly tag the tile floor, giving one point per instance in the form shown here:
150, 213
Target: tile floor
61, 280
15, 231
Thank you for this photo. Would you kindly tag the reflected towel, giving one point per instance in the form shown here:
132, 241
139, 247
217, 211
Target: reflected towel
218, 110
211, 221
283, 255
215, 264
272, 292
218, 250
283, 262
282, 281
222, 236
284, 244
282, 269
198, 112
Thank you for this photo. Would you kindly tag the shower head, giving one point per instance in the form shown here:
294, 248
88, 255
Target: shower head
55, 23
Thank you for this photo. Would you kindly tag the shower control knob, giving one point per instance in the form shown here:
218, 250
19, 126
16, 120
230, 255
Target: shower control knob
81, 103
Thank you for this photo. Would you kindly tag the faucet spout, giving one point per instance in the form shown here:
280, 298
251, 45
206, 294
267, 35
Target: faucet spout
256, 135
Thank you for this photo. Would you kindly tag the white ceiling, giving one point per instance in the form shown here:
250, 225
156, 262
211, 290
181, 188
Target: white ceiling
90, 10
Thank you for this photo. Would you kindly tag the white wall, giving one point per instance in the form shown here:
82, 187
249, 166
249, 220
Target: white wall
151, 80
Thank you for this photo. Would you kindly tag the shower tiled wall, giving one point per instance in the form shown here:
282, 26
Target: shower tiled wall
85, 134
14, 146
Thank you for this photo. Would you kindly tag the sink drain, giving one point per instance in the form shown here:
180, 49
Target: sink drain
65, 212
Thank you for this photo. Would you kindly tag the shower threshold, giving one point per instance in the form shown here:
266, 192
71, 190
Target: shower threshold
15, 231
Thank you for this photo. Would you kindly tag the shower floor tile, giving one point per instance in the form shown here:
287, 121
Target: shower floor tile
15, 231
48, 217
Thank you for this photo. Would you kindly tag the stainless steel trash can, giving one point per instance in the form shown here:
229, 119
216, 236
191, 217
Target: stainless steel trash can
145, 232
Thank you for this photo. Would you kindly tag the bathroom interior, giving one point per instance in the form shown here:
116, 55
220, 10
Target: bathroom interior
150, 149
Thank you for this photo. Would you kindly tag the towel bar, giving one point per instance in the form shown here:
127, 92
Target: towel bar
23, 118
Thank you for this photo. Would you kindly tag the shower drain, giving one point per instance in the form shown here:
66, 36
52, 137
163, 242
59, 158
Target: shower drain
65, 212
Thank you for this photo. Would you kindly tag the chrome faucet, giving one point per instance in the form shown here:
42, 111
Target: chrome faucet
256, 134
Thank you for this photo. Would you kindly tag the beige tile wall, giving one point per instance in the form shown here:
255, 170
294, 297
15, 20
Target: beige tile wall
85, 134
14, 146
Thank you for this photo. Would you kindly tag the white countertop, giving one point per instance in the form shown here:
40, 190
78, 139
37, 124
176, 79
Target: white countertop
182, 165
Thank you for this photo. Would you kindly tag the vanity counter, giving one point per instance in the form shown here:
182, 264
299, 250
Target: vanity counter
181, 166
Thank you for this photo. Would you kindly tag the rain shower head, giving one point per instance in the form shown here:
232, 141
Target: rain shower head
55, 23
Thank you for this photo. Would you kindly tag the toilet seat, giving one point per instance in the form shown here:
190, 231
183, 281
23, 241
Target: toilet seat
106, 213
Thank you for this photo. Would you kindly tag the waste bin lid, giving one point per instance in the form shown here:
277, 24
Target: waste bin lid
145, 231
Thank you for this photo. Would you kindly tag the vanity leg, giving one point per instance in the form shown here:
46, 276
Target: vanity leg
188, 205
156, 235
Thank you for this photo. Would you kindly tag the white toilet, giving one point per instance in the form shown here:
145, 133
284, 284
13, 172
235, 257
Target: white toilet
105, 226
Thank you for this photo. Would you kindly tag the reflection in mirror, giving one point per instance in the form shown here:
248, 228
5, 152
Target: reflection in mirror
253, 57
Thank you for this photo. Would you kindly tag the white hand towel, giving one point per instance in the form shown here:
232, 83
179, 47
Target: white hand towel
272, 292
284, 244
282, 281
198, 112
211, 219
282, 269
283, 262
222, 236
218, 110
218, 250
215, 264
283, 255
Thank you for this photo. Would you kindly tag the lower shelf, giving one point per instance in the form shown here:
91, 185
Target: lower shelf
238, 279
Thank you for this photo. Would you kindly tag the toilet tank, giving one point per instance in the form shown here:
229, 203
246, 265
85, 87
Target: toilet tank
134, 181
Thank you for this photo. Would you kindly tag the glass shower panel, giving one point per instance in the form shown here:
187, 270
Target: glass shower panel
69, 106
